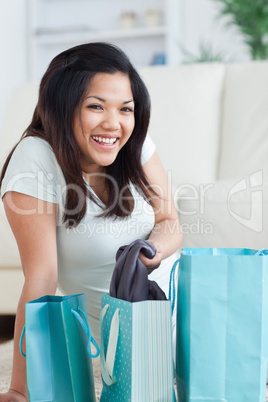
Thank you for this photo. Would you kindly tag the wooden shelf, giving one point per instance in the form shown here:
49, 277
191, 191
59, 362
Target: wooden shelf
87, 36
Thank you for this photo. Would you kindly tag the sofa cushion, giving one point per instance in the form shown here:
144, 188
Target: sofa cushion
18, 116
186, 116
9, 255
11, 283
21, 105
244, 141
227, 213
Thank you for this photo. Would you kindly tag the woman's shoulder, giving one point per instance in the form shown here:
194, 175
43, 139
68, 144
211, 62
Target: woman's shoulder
33, 170
34, 151
30, 144
148, 149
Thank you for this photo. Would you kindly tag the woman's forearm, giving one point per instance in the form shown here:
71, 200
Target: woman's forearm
30, 292
168, 235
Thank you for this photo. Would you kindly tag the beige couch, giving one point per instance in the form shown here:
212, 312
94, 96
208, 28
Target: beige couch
210, 125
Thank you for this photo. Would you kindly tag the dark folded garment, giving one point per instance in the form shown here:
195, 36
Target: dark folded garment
130, 277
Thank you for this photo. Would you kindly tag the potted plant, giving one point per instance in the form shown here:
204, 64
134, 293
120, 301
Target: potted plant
205, 54
251, 18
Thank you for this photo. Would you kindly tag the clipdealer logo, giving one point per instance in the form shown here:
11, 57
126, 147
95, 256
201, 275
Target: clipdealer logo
254, 185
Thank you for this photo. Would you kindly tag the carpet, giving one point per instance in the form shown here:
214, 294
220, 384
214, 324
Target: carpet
6, 352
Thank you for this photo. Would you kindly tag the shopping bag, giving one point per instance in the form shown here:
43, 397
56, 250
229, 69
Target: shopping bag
136, 351
58, 350
222, 325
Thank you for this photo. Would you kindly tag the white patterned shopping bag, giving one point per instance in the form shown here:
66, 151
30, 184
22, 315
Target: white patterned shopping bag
136, 351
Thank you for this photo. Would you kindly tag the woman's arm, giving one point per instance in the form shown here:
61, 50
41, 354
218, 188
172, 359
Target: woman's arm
166, 234
33, 223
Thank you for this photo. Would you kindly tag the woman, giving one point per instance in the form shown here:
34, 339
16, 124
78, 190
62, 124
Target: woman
83, 181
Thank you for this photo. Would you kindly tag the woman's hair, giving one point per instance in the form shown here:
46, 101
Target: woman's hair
61, 92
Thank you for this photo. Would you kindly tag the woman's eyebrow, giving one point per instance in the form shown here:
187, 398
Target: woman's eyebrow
103, 100
96, 97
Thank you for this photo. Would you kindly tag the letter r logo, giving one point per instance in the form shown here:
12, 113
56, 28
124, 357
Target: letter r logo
256, 201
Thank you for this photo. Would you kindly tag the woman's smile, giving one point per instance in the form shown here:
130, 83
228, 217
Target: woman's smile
104, 141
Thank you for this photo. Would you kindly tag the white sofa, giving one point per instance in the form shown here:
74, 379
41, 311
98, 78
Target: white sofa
210, 125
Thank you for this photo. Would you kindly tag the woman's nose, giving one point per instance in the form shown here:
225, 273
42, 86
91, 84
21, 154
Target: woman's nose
111, 122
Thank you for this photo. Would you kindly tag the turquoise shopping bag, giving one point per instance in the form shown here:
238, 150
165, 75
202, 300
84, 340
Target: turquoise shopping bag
222, 325
58, 350
136, 351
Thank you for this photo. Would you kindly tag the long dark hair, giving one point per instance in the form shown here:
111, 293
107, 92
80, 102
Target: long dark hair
61, 92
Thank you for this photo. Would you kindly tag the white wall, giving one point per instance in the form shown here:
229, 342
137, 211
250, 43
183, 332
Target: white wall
12, 49
198, 23
201, 24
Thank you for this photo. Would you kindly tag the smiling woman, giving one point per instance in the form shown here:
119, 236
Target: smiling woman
84, 180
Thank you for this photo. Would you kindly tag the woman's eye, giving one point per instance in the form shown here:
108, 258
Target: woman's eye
127, 109
96, 107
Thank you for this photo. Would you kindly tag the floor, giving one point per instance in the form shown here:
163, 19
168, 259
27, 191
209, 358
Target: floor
6, 334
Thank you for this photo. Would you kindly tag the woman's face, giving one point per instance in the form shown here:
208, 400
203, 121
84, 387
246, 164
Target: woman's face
106, 120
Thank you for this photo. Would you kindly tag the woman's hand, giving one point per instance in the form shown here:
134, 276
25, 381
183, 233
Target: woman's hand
153, 263
13, 396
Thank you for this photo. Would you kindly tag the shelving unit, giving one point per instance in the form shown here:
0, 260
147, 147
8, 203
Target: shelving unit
55, 25
103, 35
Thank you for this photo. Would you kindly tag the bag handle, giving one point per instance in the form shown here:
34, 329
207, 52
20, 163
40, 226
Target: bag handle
107, 363
86, 328
263, 251
85, 325
172, 287
21, 340
172, 298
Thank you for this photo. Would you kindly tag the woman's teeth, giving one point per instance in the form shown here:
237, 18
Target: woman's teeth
103, 140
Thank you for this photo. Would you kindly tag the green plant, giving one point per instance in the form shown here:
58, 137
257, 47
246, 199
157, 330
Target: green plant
251, 17
205, 55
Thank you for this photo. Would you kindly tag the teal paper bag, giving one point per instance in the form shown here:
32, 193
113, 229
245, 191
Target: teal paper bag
136, 351
222, 325
58, 350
